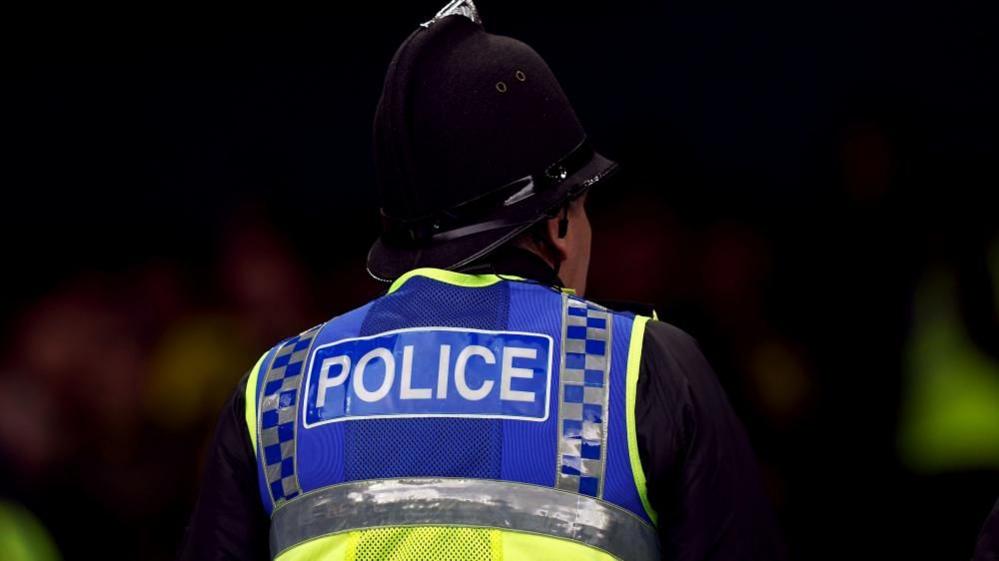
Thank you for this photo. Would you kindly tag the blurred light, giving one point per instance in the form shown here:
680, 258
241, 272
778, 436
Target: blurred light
22, 536
950, 412
781, 380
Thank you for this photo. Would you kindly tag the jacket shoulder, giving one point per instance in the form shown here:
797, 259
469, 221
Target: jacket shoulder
667, 349
669, 336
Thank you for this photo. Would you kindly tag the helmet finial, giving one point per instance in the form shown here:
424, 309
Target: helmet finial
456, 8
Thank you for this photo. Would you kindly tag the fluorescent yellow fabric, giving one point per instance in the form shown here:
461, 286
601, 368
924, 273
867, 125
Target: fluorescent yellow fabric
419, 544
426, 543
250, 406
519, 545
327, 548
450, 277
634, 363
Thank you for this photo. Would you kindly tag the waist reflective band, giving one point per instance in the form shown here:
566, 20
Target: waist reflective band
462, 502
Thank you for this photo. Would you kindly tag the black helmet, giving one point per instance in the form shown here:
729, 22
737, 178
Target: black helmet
474, 141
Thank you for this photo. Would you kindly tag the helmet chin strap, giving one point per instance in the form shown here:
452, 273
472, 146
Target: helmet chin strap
563, 223
563, 231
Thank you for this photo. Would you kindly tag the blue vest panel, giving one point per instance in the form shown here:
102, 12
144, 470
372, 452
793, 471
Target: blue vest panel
512, 381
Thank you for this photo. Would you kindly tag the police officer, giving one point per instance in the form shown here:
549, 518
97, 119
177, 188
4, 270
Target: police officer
481, 409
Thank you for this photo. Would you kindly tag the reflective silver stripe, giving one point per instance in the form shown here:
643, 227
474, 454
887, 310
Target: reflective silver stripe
584, 386
462, 502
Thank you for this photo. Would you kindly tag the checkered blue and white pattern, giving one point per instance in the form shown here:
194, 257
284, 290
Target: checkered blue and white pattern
583, 393
277, 415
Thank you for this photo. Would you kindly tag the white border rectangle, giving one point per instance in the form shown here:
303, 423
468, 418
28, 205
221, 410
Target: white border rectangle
312, 358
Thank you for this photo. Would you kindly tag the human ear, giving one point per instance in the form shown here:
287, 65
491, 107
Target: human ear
558, 244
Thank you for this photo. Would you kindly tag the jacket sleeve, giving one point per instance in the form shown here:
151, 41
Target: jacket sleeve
702, 475
987, 548
229, 521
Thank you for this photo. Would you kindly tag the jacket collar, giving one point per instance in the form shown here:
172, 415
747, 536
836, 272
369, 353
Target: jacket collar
516, 261
508, 264
512, 264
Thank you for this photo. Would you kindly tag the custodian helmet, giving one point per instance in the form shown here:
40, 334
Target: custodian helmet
474, 141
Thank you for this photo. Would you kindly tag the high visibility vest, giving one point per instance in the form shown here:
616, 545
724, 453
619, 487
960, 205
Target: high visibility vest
460, 418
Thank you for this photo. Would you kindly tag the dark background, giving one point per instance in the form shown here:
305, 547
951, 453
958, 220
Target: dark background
810, 191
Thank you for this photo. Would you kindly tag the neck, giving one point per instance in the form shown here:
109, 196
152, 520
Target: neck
519, 261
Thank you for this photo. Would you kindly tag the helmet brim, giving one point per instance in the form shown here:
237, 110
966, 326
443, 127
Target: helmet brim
388, 262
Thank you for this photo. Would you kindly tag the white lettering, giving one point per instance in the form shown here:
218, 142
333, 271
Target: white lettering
325, 382
408, 391
510, 371
442, 373
383, 390
459, 372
